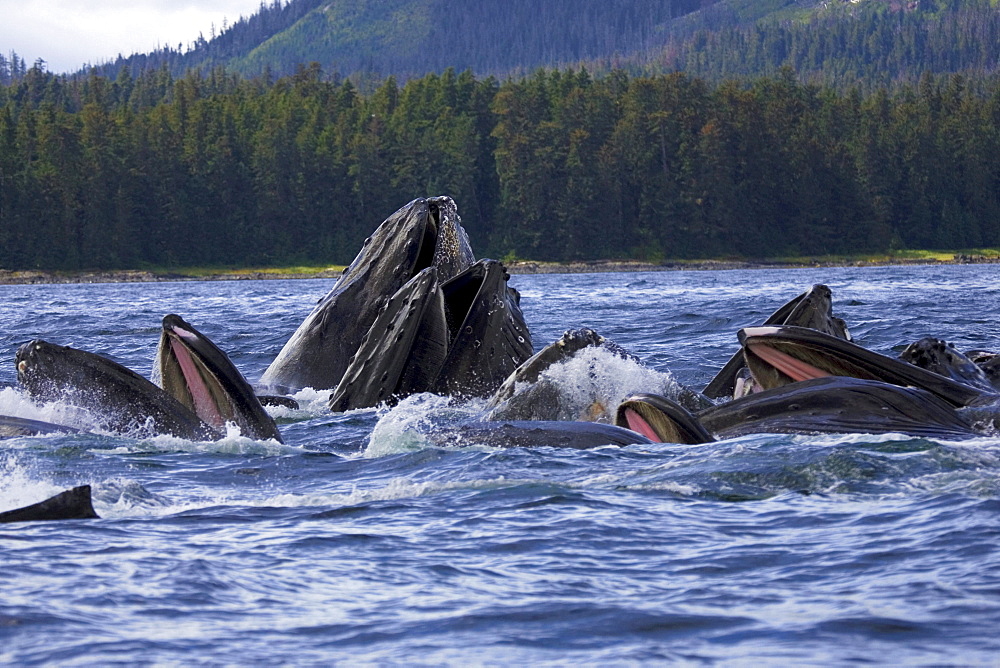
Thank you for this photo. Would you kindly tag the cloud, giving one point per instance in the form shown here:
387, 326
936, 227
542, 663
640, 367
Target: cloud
69, 33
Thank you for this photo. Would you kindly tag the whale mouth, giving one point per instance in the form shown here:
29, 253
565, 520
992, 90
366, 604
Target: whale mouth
206, 406
423, 234
185, 375
113, 397
428, 240
198, 374
775, 360
661, 420
641, 425
781, 355
795, 368
460, 296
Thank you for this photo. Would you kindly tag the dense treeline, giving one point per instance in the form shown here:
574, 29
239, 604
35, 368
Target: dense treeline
215, 169
869, 43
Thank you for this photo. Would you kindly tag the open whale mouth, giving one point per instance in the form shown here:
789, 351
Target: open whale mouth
442, 243
775, 361
186, 376
475, 296
197, 373
460, 296
488, 336
780, 355
460, 337
640, 420
428, 239
423, 234
660, 420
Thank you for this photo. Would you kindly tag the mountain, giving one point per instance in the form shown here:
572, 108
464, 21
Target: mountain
845, 43
410, 38
211, 167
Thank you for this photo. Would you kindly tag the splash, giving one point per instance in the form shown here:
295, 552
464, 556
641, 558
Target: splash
16, 403
312, 403
19, 487
587, 386
403, 427
233, 443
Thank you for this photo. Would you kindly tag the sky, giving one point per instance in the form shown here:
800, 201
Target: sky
66, 34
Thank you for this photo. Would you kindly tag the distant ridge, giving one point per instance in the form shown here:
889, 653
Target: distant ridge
410, 38
844, 43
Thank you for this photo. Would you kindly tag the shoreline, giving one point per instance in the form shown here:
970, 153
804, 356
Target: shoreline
527, 267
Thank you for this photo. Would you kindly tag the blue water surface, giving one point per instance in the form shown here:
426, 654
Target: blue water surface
359, 542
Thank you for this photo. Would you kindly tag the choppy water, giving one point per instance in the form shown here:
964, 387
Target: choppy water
358, 542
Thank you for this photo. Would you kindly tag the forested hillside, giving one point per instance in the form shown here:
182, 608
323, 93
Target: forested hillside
233, 42
217, 169
869, 43
368, 39
875, 126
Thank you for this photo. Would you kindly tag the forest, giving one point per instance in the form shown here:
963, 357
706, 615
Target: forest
157, 171
868, 44
370, 39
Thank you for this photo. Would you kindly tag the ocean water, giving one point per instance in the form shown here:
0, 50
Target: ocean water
362, 540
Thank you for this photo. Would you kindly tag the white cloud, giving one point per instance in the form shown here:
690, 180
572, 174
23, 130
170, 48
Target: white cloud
68, 33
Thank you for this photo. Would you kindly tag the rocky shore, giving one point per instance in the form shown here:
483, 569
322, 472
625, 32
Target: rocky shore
8, 277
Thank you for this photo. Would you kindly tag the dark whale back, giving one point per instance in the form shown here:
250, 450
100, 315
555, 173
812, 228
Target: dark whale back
73, 504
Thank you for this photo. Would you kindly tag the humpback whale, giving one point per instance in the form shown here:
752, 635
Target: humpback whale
193, 370
17, 426
942, 358
780, 355
489, 337
461, 337
536, 433
812, 309
588, 387
411, 326
73, 504
830, 404
119, 399
661, 420
527, 395
424, 233
989, 362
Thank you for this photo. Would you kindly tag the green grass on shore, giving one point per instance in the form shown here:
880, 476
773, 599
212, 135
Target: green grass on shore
333, 271
205, 272
868, 258
896, 256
